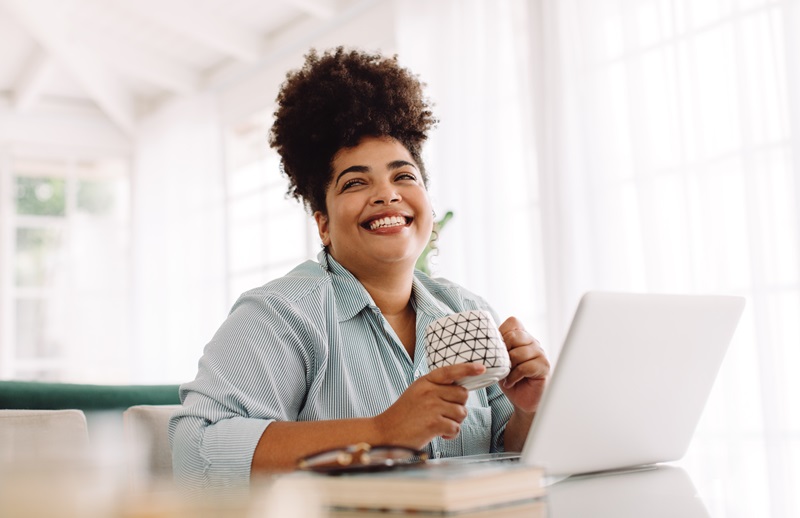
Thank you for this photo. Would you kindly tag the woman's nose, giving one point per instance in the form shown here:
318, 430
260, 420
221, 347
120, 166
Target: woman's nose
385, 194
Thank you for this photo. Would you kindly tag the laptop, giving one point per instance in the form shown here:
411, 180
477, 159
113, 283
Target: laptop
630, 382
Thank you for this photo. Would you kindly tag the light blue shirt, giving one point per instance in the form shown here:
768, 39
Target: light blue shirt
311, 346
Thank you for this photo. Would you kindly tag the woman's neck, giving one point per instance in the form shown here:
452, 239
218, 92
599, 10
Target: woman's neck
391, 293
389, 284
390, 289
394, 301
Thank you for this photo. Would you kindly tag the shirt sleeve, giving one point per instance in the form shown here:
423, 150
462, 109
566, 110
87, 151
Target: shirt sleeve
501, 413
255, 370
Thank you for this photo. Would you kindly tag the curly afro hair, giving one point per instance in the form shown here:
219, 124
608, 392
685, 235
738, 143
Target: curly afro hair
334, 101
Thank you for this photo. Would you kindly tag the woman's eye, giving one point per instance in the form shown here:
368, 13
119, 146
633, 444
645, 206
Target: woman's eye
351, 183
406, 176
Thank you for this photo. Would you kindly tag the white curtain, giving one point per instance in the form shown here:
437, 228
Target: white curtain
663, 158
475, 58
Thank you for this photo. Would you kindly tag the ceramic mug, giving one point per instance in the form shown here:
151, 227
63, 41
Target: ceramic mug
468, 336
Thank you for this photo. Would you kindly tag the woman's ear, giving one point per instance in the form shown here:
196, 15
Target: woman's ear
322, 227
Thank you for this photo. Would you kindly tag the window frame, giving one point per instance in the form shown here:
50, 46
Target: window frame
73, 171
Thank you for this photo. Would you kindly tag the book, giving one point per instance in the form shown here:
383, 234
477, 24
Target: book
527, 509
434, 488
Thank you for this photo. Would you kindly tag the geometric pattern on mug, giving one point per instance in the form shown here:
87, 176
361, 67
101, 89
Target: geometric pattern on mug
468, 336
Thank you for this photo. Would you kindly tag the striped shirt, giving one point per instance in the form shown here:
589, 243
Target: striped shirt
311, 346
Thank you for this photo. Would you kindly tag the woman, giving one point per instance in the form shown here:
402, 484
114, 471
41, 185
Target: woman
332, 354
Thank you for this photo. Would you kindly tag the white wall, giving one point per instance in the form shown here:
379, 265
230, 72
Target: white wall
66, 132
178, 236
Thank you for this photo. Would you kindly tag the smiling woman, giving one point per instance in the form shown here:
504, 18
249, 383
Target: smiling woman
333, 353
376, 210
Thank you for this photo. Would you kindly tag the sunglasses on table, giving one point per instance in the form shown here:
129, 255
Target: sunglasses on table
362, 457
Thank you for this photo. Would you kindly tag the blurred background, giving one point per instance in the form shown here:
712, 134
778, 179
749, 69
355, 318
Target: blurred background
629, 145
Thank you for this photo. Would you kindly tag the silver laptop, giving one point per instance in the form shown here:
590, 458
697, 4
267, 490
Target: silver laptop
631, 381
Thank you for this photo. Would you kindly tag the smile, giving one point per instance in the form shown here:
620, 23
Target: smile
391, 221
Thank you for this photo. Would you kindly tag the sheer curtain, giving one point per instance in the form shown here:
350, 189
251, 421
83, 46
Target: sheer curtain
662, 158
475, 57
669, 143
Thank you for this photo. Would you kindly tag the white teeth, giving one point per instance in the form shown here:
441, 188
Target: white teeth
393, 221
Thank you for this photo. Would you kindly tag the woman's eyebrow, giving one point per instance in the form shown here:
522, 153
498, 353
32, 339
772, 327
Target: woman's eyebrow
352, 169
397, 164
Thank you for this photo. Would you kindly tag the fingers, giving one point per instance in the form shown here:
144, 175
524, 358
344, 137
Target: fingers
454, 394
451, 418
528, 360
455, 413
523, 354
431, 406
530, 363
448, 399
451, 373
515, 335
510, 324
441, 412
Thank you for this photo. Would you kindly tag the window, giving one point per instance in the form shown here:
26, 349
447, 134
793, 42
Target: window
268, 233
65, 244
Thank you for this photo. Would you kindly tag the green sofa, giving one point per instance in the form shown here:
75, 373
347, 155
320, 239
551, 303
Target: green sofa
32, 395
135, 415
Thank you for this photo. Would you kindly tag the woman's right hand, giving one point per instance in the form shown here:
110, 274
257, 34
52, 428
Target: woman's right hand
431, 406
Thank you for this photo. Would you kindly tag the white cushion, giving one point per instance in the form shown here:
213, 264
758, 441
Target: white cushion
146, 437
42, 434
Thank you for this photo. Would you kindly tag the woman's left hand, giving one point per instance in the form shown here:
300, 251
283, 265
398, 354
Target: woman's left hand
529, 367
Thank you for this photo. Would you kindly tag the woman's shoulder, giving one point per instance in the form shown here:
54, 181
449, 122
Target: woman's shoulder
303, 281
454, 295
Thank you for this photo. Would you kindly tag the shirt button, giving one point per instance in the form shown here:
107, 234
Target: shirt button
437, 455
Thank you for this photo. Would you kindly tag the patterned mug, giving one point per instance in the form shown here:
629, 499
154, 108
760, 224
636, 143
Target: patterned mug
468, 336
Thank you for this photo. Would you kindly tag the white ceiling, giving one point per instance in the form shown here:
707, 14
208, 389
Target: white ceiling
126, 56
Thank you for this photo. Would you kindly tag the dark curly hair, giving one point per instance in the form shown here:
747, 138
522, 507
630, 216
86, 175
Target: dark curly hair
334, 101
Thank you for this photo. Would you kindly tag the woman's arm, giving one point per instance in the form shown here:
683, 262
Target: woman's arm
284, 443
517, 430
525, 383
431, 406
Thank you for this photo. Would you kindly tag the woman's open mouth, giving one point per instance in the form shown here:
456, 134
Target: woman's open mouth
386, 222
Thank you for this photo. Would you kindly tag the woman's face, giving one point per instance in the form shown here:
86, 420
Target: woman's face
379, 213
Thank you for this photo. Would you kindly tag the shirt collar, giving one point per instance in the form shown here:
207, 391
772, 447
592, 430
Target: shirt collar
425, 302
351, 296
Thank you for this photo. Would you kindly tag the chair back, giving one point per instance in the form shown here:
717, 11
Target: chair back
145, 428
44, 435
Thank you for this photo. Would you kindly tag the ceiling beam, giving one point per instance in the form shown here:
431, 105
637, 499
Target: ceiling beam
31, 82
207, 29
298, 36
316, 8
145, 65
44, 21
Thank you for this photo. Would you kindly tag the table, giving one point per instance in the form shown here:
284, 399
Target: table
717, 479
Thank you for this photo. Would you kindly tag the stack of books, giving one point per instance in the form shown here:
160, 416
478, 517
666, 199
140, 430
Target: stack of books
481, 489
